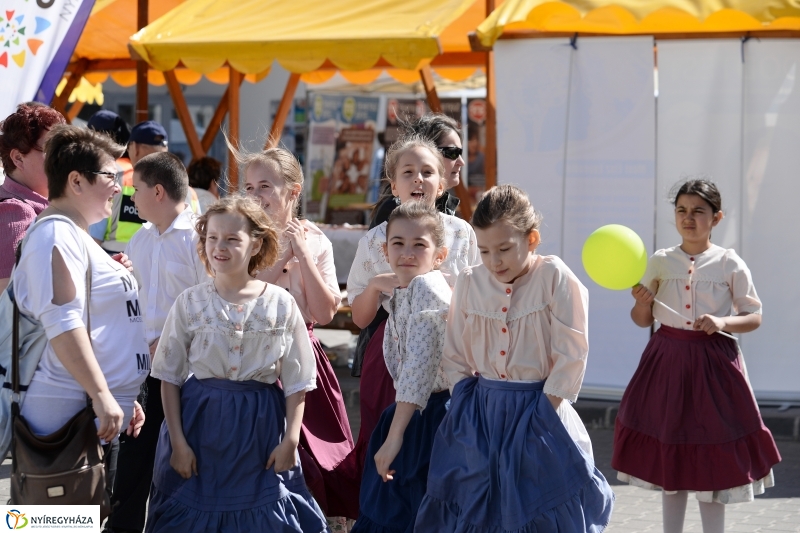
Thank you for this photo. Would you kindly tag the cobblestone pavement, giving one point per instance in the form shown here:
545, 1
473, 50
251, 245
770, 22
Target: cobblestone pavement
637, 510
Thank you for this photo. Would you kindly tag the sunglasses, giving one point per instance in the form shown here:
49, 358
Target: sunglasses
116, 177
451, 152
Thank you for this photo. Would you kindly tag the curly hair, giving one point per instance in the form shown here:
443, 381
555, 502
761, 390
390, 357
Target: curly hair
260, 227
509, 203
22, 129
71, 148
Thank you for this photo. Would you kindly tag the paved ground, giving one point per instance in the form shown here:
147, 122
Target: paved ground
637, 510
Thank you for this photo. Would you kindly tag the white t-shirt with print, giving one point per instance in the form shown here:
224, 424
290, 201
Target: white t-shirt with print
116, 317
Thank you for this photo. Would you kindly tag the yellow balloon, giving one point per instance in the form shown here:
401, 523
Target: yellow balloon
614, 257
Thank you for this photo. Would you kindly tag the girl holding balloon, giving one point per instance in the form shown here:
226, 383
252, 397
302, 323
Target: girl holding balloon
511, 453
688, 420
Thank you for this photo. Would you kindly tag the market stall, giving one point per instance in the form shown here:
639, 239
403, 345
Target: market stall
601, 111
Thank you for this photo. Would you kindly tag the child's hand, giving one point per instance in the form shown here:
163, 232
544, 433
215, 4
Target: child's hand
183, 460
296, 233
283, 456
642, 295
385, 456
709, 323
385, 283
137, 420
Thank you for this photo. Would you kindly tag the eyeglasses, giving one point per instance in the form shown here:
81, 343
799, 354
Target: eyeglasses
116, 177
451, 152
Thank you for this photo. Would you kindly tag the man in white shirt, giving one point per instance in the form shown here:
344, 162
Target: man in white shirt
165, 263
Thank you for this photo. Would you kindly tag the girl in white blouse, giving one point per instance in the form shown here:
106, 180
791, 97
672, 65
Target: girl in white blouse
415, 169
306, 270
227, 455
688, 419
511, 454
394, 482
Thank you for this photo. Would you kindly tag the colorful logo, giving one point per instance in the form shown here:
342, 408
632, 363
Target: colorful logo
17, 516
16, 33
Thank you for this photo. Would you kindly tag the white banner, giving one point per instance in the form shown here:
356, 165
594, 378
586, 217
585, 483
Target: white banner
53, 518
37, 38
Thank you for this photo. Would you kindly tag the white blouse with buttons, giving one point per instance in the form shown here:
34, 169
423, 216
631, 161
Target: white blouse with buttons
262, 340
531, 330
716, 282
462, 251
414, 338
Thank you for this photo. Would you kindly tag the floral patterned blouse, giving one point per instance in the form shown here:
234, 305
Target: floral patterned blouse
462, 251
414, 338
262, 340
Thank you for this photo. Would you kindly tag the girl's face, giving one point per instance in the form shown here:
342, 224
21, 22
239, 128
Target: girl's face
265, 182
452, 168
229, 245
411, 249
694, 219
417, 176
506, 251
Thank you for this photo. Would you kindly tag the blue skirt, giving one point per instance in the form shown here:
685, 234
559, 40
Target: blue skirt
392, 506
503, 461
232, 427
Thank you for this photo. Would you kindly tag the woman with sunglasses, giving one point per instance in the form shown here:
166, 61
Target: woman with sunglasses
95, 347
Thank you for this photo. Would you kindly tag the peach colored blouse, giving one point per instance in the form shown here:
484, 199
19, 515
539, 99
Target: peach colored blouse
291, 278
531, 330
716, 282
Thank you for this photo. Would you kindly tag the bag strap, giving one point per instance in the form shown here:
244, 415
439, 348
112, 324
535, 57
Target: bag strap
15, 379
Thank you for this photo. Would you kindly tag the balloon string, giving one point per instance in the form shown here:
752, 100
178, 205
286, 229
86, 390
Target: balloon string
674, 312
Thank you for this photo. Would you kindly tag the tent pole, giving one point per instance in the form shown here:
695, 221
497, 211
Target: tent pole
490, 151
283, 111
216, 120
59, 102
74, 109
141, 114
233, 126
183, 115
436, 106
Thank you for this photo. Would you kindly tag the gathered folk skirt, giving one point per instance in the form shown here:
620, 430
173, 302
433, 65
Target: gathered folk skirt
688, 419
326, 440
504, 461
389, 507
232, 427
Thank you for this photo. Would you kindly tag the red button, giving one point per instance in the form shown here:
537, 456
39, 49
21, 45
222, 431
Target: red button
505, 309
691, 259
502, 375
688, 306
508, 291
690, 271
502, 352
687, 287
504, 330
687, 323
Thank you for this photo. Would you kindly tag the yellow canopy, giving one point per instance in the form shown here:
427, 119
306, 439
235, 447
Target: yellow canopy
639, 17
300, 34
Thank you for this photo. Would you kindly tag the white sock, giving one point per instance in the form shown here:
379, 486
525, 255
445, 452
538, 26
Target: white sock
713, 517
674, 510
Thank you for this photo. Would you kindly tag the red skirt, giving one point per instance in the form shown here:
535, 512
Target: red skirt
376, 391
326, 440
688, 419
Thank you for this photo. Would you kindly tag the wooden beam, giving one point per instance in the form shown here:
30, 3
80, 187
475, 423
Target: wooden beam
216, 120
233, 127
74, 109
284, 107
183, 114
59, 102
142, 84
426, 76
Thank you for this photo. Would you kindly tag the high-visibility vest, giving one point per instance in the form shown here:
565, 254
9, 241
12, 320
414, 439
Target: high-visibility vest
124, 221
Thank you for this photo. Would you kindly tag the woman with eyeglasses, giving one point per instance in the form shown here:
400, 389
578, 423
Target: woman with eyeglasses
95, 348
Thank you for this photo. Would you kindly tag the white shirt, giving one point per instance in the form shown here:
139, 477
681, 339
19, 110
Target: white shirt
263, 340
531, 330
165, 265
716, 282
291, 279
462, 251
117, 328
414, 338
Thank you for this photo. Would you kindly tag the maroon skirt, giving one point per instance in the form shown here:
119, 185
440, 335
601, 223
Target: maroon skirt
376, 392
326, 440
688, 419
